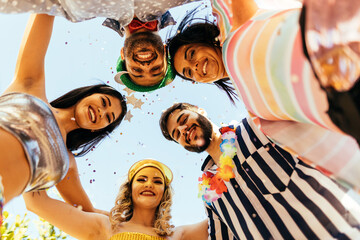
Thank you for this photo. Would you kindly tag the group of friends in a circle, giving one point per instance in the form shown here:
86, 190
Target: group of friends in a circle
275, 174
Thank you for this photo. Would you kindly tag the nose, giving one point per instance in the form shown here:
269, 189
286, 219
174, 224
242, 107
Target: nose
149, 184
102, 112
182, 129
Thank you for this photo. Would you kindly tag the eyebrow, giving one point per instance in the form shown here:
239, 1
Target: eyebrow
157, 74
139, 76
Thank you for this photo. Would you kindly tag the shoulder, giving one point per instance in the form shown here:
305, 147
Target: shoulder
101, 228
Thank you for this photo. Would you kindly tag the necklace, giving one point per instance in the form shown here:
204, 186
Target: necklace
212, 186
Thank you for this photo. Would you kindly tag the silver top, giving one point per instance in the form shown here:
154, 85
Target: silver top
31, 121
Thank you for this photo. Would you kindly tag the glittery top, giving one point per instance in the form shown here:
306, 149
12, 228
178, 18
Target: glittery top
134, 236
121, 11
31, 121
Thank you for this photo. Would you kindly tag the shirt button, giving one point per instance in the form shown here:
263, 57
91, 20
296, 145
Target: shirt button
253, 215
236, 186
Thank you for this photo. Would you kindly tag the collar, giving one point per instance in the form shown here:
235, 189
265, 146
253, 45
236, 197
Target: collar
163, 21
136, 24
208, 164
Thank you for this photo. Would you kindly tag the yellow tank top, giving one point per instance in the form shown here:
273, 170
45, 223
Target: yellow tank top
134, 236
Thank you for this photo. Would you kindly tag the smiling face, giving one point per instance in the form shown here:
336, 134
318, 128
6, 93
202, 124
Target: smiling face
97, 111
191, 130
145, 58
148, 187
199, 62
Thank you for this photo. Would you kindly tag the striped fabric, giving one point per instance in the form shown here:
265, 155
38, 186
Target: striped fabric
335, 154
265, 62
276, 196
223, 12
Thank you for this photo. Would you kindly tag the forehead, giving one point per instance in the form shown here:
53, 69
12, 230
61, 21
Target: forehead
172, 119
150, 172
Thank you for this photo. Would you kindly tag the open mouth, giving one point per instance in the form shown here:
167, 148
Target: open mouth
191, 134
145, 55
147, 193
204, 68
92, 115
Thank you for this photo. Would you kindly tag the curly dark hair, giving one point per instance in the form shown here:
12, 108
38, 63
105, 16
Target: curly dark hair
83, 140
205, 32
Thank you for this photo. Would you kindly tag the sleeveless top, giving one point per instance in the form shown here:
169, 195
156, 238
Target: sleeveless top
266, 65
134, 236
31, 121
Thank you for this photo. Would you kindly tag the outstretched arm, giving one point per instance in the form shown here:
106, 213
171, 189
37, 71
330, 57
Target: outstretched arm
72, 192
79, 224
29, 71
197, 231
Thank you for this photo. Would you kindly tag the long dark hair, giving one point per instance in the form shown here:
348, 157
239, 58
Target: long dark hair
205, 32
83, 140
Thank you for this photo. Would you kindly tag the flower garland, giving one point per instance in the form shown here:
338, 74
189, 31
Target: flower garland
212, 186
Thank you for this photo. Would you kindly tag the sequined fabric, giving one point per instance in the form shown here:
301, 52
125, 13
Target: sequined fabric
31, 121
119, 12
145, 11
134, 236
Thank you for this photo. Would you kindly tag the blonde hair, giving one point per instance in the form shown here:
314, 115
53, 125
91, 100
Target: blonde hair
123, 209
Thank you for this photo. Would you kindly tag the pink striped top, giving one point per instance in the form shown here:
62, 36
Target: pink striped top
265, 62
266, 65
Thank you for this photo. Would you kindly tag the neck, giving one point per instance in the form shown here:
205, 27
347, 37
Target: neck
214, 147
64, 118
144, 217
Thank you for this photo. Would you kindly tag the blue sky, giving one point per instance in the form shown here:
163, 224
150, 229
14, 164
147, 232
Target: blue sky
86, 53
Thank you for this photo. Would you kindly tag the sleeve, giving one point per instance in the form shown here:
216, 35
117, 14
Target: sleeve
217, 228
317, 146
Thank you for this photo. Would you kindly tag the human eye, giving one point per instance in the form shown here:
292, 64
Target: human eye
192, 52
184, 120
189, 72
141, 179
137, 70
158, 181
103, 102
176, 135
108, 118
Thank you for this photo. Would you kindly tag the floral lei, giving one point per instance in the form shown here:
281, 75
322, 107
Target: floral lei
212, 186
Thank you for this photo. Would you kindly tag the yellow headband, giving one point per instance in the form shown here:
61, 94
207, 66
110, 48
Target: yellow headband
165, 170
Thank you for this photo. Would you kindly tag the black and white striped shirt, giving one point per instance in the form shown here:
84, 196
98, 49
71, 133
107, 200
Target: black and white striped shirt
274, 195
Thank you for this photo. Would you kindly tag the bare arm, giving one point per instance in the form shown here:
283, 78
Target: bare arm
243, 10
72, 192
79, 224
197, 231
29, 71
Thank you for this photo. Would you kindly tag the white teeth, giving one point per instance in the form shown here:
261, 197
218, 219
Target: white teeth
92, 114
144, 56
148, 193
204, 67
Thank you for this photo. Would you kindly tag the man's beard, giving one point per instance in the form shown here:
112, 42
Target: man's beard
206, 127
143, 40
